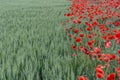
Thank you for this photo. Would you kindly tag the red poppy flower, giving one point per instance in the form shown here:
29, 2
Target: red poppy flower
82, 78
106, 59
69, 14
119, 51
89, 29
99, 75
118, 71
78, 39
102, 26
82, 48
118, 60
117, 35
110, 37
75, 30
117, 23
99, 70
97, 49
78, 21
104, 37
118, 41
94, 23
108, 44
74, 47
112, 57
114, 30
89, 43
89, 36
81, 35
111, 76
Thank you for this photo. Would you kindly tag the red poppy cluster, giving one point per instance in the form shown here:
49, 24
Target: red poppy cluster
94, 30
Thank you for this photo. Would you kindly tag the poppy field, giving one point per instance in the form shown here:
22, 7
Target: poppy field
93, 31
59, 40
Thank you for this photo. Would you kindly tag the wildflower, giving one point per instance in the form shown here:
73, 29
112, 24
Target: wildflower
74, 47
108, 44
81, 35
117, 35
118, 71
78, 39
119, 51
110, 37
89, 29
111, 76
94, 23
89, 36
102, 26
97, 49
99, 72
118, 60
75, 30
82, 78
99, 75
117, 24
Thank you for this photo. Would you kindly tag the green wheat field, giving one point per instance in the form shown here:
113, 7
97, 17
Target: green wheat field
33, 44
